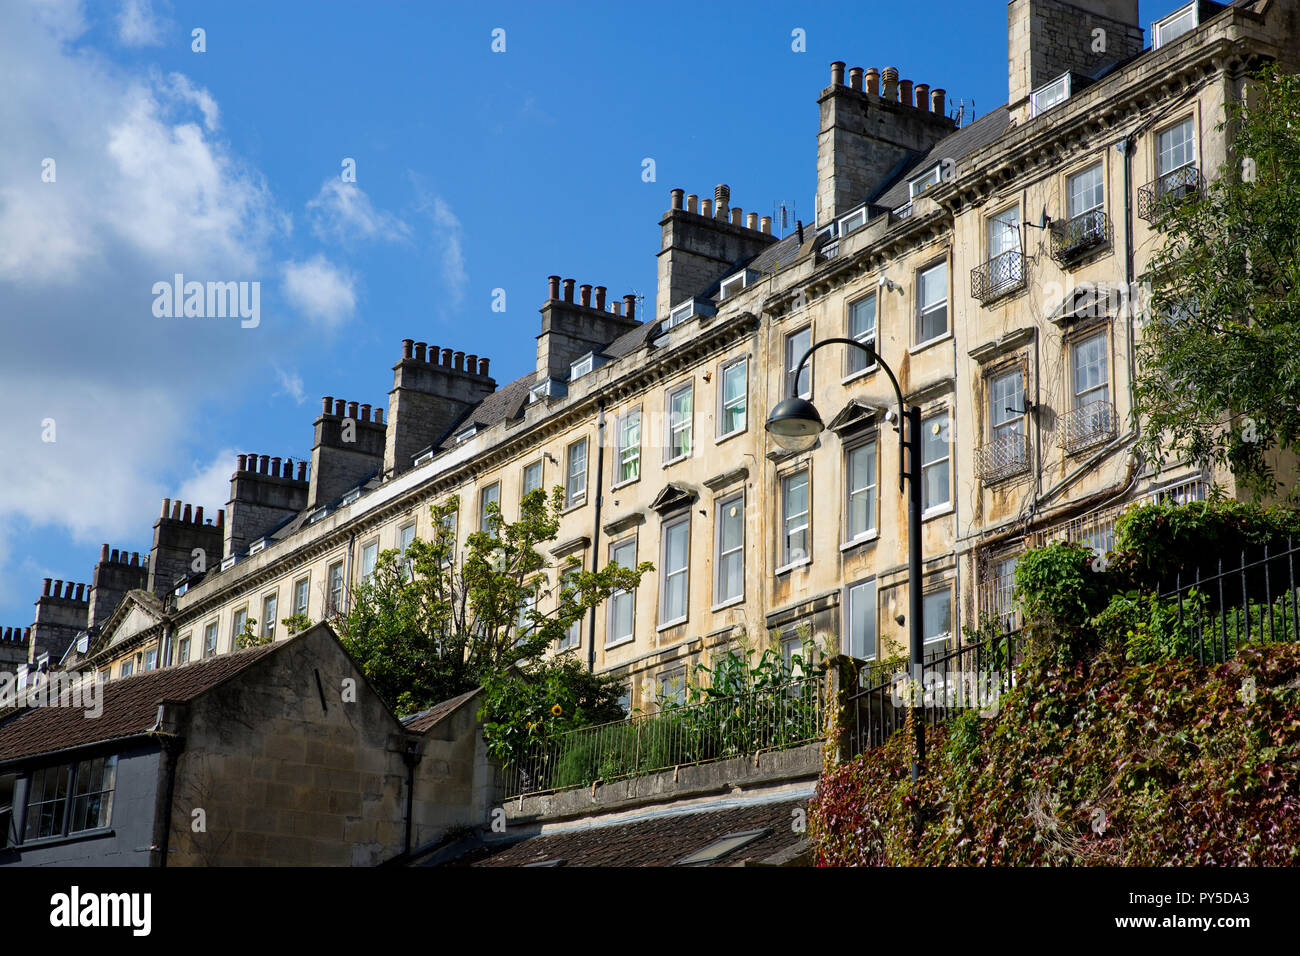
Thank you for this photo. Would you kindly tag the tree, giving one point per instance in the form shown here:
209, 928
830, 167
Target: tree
435, 622
1219, 366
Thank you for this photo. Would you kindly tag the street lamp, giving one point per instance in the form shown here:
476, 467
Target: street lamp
795, 423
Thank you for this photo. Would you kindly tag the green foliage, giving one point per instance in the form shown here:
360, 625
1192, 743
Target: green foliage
1060, 593
296, 622
1158, 764
440, 621
1219, 366
249, 637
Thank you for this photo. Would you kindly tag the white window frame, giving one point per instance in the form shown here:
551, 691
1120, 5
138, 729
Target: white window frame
484, 499
237, 622
741, 363
611, 638
369, 558
183, 649
303, 583
465, 434
733, 285
628, 456
572, 636
582, 366
854, 592
927, 180
1050, 94
575, 496
211, 634
1085, 396
669, 525
792, 357
922, 310
269, 620
678, 426
853, 356
1071, 210
871, 490
334, 596
853, 221
1190, 123
523, 481
151, 659
785, 559
721, 509
945, 417
927, 596
1159, 27
1001, 422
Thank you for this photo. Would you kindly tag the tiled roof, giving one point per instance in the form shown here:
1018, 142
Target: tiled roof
426, 719
660, 840
130, 706
956, 146
778, 254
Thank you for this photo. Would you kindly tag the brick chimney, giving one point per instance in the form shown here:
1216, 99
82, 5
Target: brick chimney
348, 448
1046, 38
572, 329
865, 134
699, 248
115, 573
264, 491
432, 390
62, 611
14, 643
179, 532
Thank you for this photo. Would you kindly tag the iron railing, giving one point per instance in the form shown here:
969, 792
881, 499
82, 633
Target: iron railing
1001, 458
714, 729
1253, 602
1003, 274
1087, 425
1171, 188
1074, 237
973, 675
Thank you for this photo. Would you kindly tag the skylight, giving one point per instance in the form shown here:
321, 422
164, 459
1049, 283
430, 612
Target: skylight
723, 846
1170, 28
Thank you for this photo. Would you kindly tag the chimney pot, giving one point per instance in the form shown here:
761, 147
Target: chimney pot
873, 81
471, 364
737, 216
458, 360
936, 102
692, 203
407, 346
352, 410
600, 298
176, 510
568, 290
167, 503
81, 590
629, 306
364, 413
221, 517
340, 406
135, 558
262, 461
482, 368
751, 221
242, 464
58, 588
187, 515
46, 593
677, 195
889, 82
198, 515
923, 97
420, 348
905, 92
328, 400
766, 225
706, 208
379, 413
114, 558
837, 73
721, 198
584, 295
103, 552
855, 78
302, 476
618, 307
552, 287
275, 467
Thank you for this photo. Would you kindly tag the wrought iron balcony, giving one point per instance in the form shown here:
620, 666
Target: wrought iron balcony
1003, 274
1072, 238
1087, 425
1170, 189
1001, 458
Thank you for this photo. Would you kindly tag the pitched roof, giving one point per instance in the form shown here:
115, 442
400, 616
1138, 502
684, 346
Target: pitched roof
426, 719
130, 706
659, 840
956, 146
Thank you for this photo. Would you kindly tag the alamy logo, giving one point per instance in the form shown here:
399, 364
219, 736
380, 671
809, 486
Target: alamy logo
213, 300
76, 909
57, 689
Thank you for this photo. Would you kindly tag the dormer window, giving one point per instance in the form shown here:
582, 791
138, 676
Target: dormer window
1045, 97
1171, 27
686, 310
733, 285
420, 459
854, 220
589, 362
256, 546
228, 563
319, 513
548, 388
921, 183
466, 433
351, 496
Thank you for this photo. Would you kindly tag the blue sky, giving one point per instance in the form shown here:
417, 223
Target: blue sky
475, 170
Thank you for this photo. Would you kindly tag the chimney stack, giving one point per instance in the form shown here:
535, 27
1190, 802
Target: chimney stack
346, 450
259, 501
571, 330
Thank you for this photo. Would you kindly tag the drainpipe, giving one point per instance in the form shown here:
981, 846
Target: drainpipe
411, 756
595, 531
347, 572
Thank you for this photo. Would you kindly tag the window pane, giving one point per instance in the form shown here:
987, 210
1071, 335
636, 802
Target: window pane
680, 408
731, 550
1086, 192
862, 328
795, 504
1004, 232
621, 602
1090, 371
936, 612
862, 621
862, 490
1006, 392
733, 398
933, 298
533, 477
934, 460
795, 346
577, 473
1174, 147
676, 558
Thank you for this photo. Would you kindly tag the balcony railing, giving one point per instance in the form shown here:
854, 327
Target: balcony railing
773, 719
1002, 458
1072, 238
1003, 274
1170, 189
829, 251
1087, 425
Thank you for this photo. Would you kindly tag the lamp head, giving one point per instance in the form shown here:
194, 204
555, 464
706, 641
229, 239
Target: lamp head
794, 424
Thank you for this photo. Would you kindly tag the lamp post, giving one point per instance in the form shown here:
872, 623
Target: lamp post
795, 423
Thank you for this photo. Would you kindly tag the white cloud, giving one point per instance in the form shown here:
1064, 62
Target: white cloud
291, 385
342, 211
137, 25
448, 235
208, 484
320, 290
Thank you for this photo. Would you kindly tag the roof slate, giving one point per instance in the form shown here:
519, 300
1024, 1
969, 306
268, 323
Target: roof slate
957, 146
426, 719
